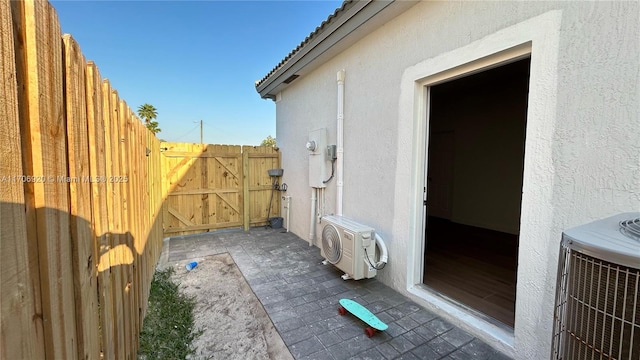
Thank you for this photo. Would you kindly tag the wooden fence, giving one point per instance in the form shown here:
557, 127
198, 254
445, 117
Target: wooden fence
80, 199
210, 187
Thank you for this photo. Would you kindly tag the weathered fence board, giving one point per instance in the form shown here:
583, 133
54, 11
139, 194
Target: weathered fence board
105, 275
81, 228
205, 186
21, 327
84, 248
44, 145
117, 227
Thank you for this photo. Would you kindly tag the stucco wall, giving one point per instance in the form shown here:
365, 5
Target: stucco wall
583, 147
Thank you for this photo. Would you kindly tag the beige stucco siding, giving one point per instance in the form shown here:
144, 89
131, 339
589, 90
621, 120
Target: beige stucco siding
583, 159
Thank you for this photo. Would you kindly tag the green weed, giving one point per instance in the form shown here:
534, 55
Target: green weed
168, 328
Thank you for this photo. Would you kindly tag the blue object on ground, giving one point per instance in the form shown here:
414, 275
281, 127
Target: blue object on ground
363, 314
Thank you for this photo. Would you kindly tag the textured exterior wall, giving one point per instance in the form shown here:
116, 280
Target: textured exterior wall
582, 158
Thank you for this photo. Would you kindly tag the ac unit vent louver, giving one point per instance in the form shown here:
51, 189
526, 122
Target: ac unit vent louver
597, 311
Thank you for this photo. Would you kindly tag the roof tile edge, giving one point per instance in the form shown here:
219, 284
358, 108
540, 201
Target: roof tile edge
331, 18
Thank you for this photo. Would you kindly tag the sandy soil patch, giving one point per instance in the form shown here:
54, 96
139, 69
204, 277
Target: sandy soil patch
234, 322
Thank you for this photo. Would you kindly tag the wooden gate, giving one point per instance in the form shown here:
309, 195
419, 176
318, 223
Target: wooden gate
210, 187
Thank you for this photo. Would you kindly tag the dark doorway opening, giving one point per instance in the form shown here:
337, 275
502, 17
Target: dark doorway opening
476, 143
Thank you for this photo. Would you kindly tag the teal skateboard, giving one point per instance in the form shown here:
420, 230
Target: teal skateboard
363, 314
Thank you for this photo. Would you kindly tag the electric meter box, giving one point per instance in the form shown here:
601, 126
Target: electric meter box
317, 147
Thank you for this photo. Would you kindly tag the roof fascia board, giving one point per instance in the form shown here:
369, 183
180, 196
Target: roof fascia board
351, 20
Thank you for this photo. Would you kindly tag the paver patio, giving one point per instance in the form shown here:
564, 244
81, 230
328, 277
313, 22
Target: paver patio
301, 297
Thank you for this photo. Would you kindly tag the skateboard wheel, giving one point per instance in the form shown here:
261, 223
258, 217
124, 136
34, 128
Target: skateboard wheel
369, 331
342, 310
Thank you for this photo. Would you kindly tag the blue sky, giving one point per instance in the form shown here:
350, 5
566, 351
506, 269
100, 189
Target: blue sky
194, 60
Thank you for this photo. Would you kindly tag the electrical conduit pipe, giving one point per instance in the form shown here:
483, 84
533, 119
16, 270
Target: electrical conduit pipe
287, 200
384, 255
339, 141
312, 224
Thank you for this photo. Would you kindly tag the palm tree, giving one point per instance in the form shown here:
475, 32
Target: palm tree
153, 127
147, 112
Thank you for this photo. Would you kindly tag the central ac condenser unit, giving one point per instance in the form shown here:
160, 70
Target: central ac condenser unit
349, 246
597, 310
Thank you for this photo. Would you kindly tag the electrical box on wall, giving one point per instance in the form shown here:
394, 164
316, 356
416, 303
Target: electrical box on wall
332, 152
317, 147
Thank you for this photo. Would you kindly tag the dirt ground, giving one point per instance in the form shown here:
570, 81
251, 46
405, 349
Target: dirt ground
234, 322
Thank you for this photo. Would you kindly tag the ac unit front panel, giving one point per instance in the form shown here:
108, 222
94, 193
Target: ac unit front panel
353, 235
346, 262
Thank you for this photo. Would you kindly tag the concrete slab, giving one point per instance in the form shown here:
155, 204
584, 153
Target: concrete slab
301, 295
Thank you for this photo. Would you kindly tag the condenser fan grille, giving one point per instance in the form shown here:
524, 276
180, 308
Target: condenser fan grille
331, 244
597, 310
631, 228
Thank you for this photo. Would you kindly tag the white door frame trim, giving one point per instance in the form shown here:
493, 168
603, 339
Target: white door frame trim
537, 37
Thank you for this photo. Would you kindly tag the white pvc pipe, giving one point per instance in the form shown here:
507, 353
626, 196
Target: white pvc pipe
339, 145
384, 255
287, 200
320, 211
312, 225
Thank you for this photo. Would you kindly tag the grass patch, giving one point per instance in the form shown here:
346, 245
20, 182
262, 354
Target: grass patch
167, 331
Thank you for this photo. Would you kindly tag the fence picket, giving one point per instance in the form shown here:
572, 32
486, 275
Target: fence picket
45, 145
84, 247
80, 245
21, 329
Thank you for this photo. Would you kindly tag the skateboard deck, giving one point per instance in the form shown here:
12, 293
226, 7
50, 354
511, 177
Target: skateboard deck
363, 314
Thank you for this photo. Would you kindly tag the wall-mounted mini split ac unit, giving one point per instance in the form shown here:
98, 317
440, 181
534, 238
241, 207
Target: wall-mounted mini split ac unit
597, 310
349, 246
